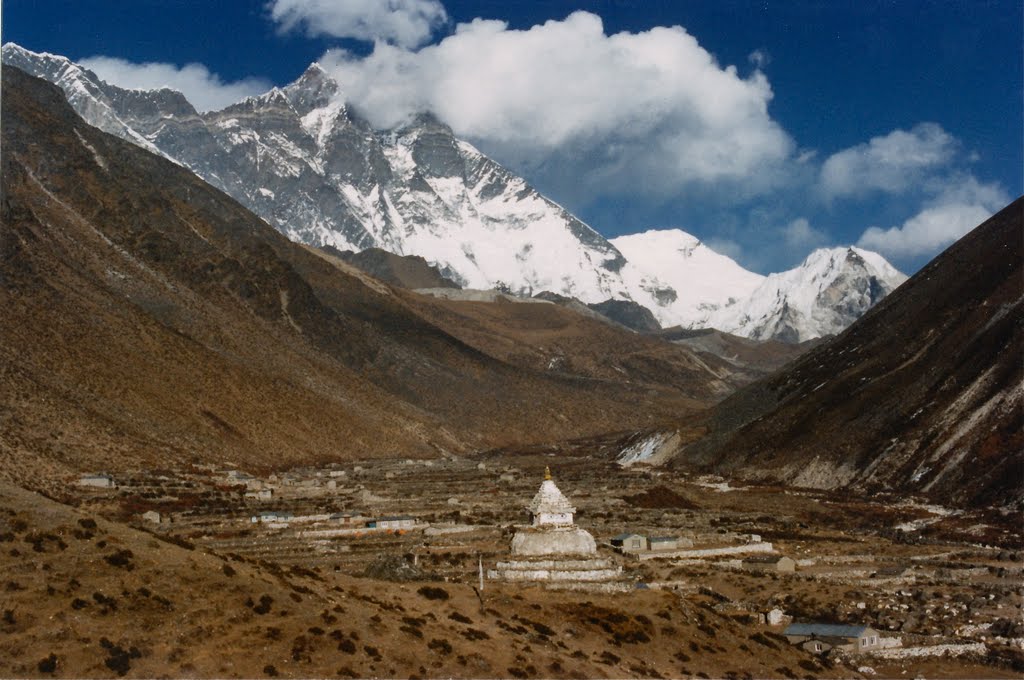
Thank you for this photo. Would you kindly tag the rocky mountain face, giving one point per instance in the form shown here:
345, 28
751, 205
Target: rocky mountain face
404, 271
923, 394
150, 319
301, 159
830, 290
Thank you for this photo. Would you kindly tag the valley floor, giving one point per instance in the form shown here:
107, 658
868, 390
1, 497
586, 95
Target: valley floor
218, 580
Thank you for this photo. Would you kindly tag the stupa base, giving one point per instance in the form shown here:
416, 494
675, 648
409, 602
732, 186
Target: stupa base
553, 541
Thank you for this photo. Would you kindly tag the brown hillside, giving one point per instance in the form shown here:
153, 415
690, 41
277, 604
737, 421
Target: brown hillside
150, 318
923, 394
557, 340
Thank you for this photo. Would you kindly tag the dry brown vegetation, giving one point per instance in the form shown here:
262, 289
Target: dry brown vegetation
150, 319
210, 595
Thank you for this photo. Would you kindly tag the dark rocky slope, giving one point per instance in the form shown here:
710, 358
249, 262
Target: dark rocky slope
404, 271
923, 394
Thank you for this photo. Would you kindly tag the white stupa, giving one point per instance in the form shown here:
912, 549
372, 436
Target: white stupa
552, 531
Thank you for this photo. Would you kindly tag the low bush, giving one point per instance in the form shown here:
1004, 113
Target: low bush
433, 593
48, 665
443, 647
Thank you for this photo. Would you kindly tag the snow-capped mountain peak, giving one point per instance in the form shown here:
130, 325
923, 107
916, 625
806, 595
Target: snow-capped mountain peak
685, 281
83, 89
300, 158
830, 289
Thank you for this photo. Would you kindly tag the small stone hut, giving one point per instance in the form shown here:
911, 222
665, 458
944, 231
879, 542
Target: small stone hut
100, 481
630, 542
666, 543
819, 638
396, 522
769, 563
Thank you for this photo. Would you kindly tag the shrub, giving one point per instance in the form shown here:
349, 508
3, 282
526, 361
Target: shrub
433, 593
121, 558
119, 659
109, 604
48, 665
347, 646
264, 606
270, 671
541, 628
761, 639
441, 646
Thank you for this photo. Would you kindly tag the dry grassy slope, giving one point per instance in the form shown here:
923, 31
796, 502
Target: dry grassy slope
757, 358
923, 394
557, 340
151, 319
105, 599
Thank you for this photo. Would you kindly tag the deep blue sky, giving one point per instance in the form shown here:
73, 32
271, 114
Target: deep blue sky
842, 72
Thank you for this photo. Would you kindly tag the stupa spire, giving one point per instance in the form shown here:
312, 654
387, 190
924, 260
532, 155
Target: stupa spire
547, 473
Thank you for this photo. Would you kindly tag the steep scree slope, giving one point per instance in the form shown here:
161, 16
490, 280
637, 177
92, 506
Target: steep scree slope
923, 394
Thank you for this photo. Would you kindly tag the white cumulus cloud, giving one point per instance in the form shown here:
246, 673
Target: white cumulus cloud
800, 235
759, 58
629, 112
725, 246
206, 91
408, 23
965, 204
891, 163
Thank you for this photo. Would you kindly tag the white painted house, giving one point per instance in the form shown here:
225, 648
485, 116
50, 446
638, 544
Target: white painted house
98, 481
397, 522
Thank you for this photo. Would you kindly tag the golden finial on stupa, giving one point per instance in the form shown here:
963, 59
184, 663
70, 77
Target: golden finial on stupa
547, 473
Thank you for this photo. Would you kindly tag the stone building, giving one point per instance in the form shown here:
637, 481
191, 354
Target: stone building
396, 522
668, 543
769, 563
630, 542
819, 638
638, 543
98, 481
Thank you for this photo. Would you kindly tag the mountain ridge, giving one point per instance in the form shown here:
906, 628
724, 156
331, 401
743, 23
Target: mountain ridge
309, 165
151, 319
921, 395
